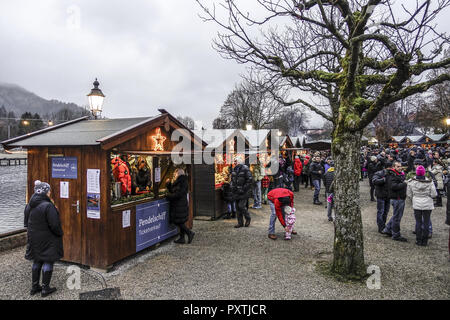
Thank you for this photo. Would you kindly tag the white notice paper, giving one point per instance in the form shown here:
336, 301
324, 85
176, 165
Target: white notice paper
126, 218
64, 190
157, 174
93, 180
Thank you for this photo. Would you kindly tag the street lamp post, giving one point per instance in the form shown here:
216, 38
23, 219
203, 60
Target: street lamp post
96, 98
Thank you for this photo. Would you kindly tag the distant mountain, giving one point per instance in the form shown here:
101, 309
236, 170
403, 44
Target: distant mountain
20, 100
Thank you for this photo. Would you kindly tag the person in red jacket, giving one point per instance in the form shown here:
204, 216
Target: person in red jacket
298, 168
121, 174
278, 199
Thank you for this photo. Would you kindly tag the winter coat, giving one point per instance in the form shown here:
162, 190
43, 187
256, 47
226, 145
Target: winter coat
306, 165
143, 179
290, 219
396, 184
381, 187
314, 170
177, 197
298, 167
328, 179
290, 174
373, 167
436, 170
44, 230
241, 182
256, 173
421, 191
226, 192
122, 174
411, 163
274, 196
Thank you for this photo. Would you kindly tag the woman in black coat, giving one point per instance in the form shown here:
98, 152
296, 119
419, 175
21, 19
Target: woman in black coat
179, 206
44, 233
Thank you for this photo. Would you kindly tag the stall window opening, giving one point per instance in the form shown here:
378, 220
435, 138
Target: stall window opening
131, 177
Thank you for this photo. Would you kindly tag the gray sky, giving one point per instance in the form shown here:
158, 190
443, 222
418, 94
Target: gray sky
146, 55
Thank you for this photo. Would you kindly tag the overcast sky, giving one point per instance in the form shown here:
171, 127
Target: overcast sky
146, 55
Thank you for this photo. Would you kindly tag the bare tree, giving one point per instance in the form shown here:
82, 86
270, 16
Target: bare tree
187, 121
249, 103
291, 121
394, 120
354, 57
435, 108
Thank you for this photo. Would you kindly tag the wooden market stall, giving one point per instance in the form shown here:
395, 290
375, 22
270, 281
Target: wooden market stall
89, 164
223, 146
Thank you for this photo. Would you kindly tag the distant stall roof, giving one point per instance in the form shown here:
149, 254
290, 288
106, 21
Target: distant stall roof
436, 137
398, 138
415, 138
255, 137
215, 137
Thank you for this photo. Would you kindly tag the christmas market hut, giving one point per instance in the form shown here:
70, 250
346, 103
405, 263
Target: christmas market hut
108, 180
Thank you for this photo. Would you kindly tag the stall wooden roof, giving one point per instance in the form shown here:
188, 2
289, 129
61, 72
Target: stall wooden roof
82, 131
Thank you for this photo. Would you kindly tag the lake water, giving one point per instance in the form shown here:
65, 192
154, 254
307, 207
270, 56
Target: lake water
13, 184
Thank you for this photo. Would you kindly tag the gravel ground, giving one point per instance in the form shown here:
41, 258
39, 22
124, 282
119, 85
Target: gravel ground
227, 263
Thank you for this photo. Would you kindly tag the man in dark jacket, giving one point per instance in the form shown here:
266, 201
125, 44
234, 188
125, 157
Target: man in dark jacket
397, 194
44, 233
316, 171
373, 166
411, 159
179, 206
241, 186
382, 194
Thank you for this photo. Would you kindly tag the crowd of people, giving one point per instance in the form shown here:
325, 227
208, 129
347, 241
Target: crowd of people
394, 175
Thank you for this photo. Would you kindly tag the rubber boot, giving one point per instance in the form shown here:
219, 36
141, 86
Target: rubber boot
46, 290
35, 277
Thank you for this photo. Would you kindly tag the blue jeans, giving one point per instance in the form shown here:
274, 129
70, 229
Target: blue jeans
382, 212
316, 184
273, 218
231, 206
257, 194
393, 225
40, 265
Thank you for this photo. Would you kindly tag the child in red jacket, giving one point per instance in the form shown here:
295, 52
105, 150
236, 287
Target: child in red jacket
278, 199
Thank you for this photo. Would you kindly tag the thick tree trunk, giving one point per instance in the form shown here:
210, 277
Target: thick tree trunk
348, 258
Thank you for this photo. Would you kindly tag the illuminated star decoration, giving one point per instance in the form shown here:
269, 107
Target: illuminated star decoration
159, 140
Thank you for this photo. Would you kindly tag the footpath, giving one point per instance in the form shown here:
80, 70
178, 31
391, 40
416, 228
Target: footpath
227, 263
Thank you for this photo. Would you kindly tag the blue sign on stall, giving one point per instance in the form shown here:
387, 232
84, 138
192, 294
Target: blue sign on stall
64, 167
152, 224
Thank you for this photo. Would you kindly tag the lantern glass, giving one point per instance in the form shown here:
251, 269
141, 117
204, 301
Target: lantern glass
249, 126
96, 102
447, 121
